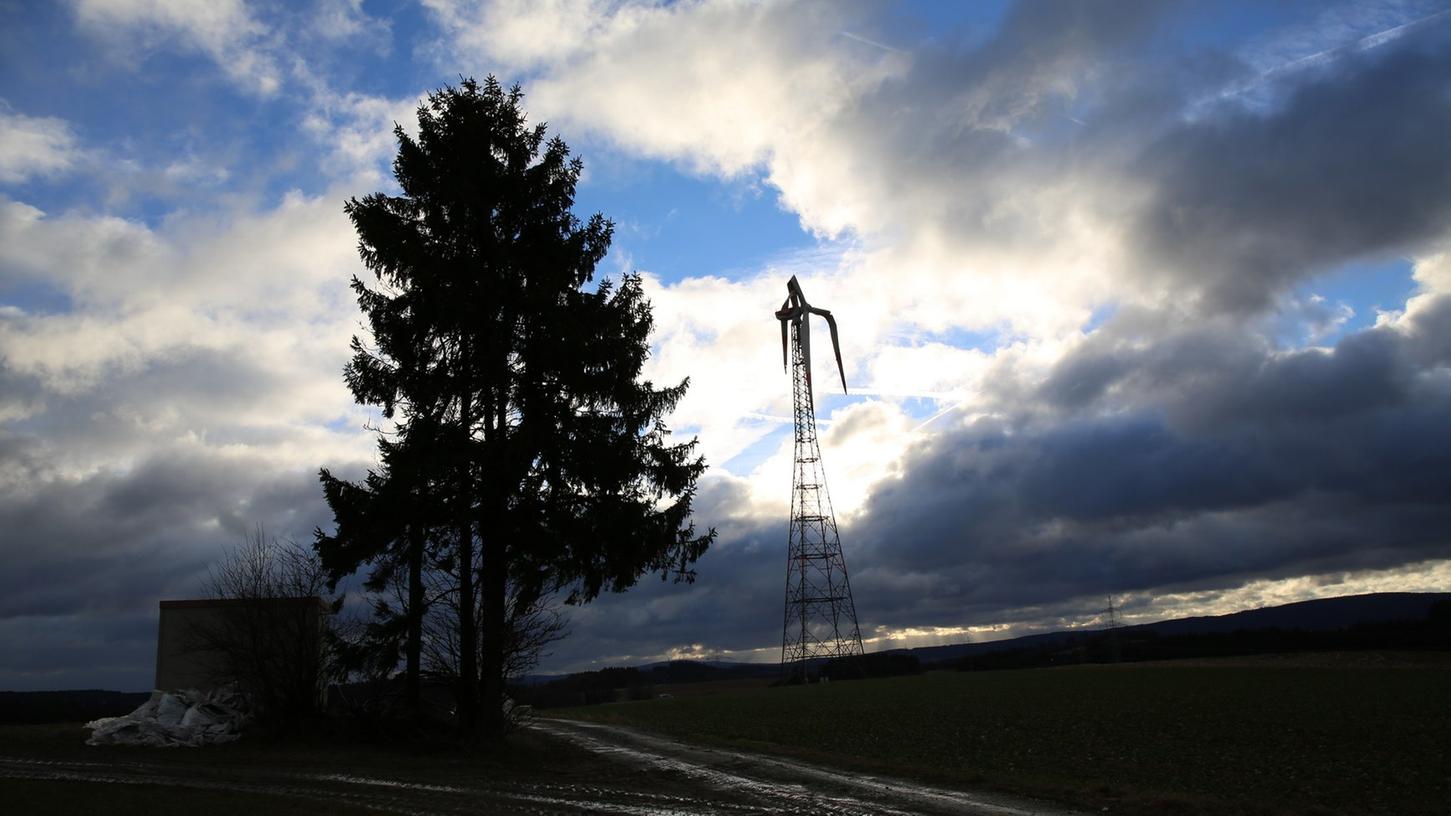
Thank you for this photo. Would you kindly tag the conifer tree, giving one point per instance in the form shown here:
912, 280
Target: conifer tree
514, 386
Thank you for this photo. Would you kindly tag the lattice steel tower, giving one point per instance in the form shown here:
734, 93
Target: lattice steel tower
820, 619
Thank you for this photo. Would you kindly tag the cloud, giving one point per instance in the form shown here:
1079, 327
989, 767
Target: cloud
189, 388
928, 161
117, 539
1184, 467
521, 33
226, 31
1203, 459
355, 132
34, 146
101, 650
345, 20
1074, 249
1351, 166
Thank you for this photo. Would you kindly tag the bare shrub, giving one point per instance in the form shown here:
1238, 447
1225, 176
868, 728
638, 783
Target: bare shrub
270, 631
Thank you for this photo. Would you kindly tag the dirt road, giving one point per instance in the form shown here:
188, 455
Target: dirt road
613, 771
780, 785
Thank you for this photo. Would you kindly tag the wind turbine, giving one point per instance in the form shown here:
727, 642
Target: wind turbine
820, 616
796, 313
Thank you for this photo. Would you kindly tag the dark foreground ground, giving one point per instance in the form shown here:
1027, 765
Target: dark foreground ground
1353, 733
554, 767
1309, 735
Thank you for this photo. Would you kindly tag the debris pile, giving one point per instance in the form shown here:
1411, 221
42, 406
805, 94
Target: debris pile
176, 718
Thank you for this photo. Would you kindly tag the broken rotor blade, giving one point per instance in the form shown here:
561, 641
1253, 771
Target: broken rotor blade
783, 341
835, 344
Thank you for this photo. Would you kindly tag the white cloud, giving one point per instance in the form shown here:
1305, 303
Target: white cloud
226, 332
936, 240
34, 146
346, 21
226, 31
522, 33
1433, 270
355, 131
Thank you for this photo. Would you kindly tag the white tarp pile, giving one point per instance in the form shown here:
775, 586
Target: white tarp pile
176, 718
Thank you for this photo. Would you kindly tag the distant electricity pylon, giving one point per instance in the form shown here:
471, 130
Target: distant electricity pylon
1115, 649
1112, 612
820, 617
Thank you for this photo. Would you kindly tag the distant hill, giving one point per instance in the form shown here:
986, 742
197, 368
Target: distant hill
66, 706
1322, 615
1380, 620
1180, 637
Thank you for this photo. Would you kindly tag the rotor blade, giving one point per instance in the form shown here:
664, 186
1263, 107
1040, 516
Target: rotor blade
835, 344
783, 345
804, 332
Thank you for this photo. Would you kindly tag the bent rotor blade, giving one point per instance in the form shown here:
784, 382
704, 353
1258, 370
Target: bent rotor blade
783, 343
835, 344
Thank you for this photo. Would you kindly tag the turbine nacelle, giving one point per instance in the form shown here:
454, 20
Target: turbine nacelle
796, 310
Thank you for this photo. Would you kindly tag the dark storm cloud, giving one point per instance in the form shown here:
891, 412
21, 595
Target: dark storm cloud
734, 603
1217, 373
89, 551
79, 650
1229, 187
1353, 163
959, 138
119, 541
1200, 461
87, 559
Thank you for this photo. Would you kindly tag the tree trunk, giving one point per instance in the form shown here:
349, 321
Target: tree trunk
494, 600
411, 687
468, 681
495, 576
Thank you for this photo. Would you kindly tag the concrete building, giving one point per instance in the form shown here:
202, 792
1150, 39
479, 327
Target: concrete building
203, 644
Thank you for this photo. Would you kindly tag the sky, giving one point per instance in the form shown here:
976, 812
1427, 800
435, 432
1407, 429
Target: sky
1149, 300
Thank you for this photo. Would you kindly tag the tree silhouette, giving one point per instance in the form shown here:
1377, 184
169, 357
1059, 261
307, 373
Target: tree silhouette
387, 521
522, 422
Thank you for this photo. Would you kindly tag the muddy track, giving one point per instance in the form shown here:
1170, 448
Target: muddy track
786, 785
651, 775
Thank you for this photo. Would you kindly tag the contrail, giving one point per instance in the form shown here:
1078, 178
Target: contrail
1363, 44
932, 395
929, 420
874, 43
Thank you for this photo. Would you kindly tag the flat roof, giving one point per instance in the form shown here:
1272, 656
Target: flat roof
211, 603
